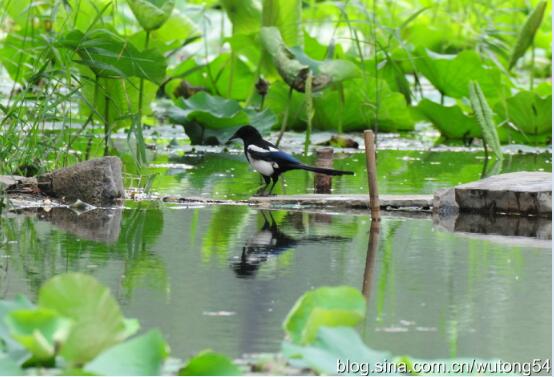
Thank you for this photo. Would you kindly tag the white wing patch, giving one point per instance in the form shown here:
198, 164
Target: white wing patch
261, 166
255, 148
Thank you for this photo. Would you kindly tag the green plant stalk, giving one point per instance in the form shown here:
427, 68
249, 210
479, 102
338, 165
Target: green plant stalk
107, 124
138, 129
341, 106
532, 70
285, 118
309, 111
231, 75
377, 86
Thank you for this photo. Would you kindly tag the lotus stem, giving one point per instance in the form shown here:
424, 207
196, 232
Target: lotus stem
285, 118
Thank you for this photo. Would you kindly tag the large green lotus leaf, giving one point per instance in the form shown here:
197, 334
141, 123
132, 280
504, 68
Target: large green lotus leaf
234, 78
359, 108
451, 74
6, 307
245, 15
40, 331
109, 55
451, 121
98, 322
326, 306
285, 15
213, 111
151, 14
208, 363
331, 345
529, 112
213, 118
337, 70
141, 356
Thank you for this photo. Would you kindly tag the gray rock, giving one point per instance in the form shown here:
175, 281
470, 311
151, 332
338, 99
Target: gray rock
444, 202
523, 193
98, 182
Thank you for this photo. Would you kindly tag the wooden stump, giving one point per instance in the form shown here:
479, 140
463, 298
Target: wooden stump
322, 182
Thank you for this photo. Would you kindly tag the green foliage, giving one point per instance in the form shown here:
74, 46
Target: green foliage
530, 113
40, 331
451, 74
141, 356
245, 15
293, 64
527, 33
109, 55
98, 322
332, 344
484, 116
203, 112
285, 15
208, 363
151, 14
326, 306
451, 121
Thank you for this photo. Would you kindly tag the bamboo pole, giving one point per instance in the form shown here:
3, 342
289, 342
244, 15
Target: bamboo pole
369, 138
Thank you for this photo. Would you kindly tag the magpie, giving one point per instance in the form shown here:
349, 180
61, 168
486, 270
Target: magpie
271, 162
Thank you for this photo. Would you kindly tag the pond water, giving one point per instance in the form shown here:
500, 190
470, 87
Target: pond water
227, 175
431, 293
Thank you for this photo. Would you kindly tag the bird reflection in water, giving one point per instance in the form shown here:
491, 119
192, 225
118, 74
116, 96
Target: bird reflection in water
270, 242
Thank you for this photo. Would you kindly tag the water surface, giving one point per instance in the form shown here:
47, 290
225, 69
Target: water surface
224, 277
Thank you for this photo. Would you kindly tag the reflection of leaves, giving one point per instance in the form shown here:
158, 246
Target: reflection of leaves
224, 225
142, 228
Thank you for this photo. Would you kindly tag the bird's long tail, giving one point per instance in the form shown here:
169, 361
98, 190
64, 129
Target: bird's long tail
325, 170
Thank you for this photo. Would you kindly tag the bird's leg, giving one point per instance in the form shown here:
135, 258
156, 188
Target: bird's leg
275, 178
261, 190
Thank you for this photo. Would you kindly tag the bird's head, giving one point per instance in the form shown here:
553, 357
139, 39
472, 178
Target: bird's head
247, 134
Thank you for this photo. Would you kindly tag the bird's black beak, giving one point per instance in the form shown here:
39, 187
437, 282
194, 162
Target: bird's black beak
231, 139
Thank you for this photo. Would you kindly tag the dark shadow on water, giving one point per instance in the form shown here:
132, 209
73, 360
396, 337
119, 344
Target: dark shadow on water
100, 225
269, 241
539, 228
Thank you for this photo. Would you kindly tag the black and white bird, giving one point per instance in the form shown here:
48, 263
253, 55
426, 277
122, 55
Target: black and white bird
271, 162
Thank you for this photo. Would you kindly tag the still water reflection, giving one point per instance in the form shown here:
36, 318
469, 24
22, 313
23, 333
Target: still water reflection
225, 277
